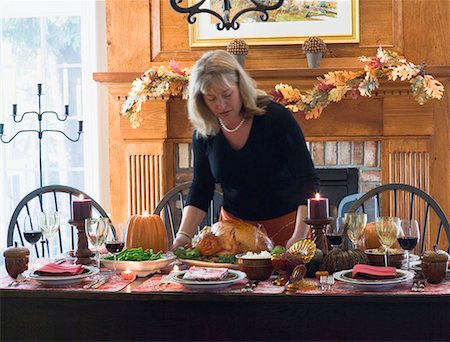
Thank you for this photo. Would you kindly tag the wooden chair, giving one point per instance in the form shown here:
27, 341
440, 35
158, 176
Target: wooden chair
49, 198
370, 207
408, 202
172, 204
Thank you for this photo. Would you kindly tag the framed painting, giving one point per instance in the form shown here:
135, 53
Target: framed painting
334, 21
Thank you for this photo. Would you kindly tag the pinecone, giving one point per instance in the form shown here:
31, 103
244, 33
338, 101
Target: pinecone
314, 44
238, 47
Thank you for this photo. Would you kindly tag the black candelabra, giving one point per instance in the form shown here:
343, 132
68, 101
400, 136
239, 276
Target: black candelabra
39, 113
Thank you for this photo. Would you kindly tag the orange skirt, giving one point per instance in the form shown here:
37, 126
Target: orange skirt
279, 229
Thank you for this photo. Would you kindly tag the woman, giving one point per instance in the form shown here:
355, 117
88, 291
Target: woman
252, 147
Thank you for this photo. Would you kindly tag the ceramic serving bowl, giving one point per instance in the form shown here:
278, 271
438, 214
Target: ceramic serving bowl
256, 269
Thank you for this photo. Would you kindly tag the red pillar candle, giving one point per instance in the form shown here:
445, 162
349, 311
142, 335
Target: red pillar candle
318, 208
82, 209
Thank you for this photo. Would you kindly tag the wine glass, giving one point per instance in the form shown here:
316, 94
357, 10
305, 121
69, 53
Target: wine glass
31, 233
334, 232
386, 229
96, 231
356, 224
407, 236
115, 240
48, 223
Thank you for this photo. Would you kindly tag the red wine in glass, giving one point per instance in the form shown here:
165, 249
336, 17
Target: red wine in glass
32, 236
334, 240
114, 247
407, 243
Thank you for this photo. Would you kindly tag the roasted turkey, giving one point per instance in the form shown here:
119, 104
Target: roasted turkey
230, 237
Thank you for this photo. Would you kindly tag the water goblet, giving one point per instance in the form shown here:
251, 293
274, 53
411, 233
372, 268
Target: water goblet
334, 231
96, 231
407, 236
48, 223
356, 224
386, 229
115, 240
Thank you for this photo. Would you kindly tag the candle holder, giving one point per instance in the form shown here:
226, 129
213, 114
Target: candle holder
83, 253
39, 113
318, 232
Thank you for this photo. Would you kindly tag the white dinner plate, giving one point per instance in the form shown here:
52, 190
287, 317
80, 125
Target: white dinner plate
233, 277
201, 263
142, 268
374, 284
61, 281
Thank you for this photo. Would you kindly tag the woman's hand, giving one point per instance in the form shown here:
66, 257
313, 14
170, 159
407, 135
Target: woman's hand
181, 241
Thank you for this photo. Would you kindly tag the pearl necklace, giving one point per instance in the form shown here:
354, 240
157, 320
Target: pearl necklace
226, 129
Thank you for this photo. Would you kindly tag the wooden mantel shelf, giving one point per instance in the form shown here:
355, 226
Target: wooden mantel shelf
438, 71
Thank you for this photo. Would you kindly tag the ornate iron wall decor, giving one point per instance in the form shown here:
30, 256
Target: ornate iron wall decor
224, 19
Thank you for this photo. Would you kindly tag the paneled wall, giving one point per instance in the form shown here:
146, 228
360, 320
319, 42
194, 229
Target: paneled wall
415, 140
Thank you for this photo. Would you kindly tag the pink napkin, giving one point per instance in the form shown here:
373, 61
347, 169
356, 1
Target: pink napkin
373, 272
59, 270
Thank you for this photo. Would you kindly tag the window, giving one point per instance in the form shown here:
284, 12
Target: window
58, 44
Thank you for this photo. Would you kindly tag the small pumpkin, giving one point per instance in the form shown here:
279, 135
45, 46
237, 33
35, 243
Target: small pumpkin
371, 239
148, 232
338, 260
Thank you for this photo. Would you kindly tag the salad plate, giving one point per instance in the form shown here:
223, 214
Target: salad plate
374, 284
142, 268
202, 263
232, 277
61, 281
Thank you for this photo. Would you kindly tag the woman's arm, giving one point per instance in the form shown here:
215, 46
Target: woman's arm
191, 219
301, 230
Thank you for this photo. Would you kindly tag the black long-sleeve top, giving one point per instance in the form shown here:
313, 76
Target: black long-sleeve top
269, 177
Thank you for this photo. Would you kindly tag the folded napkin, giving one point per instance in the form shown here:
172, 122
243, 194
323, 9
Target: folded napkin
59, 270
205, 273
373, 272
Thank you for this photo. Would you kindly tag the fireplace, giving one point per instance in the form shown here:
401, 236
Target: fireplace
336, 183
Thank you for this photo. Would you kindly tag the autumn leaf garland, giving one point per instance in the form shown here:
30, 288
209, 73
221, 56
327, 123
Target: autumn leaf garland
172, 81
333, 86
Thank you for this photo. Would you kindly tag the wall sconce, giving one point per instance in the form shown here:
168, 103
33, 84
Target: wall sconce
225, 21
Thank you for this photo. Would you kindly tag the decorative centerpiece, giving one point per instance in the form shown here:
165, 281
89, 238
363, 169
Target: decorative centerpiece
299, 254
239, 49
314, 48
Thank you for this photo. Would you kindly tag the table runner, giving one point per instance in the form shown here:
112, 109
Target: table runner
158, 283
115, 284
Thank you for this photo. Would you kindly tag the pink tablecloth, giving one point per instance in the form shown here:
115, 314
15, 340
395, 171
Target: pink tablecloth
113, 285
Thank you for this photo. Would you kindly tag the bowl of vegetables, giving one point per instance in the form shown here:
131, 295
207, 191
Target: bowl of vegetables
191, 257
143, 262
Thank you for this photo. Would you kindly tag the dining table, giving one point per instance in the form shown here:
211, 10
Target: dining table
152, 308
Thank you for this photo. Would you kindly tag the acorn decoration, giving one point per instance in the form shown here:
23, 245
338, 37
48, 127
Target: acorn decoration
239, 49
16, 260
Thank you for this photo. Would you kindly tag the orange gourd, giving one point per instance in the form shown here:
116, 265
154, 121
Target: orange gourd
371, 238
148, 232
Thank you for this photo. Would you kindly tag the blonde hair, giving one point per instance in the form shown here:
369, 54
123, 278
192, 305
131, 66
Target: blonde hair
213, 68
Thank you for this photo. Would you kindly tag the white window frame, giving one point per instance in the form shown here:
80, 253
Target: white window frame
93, 57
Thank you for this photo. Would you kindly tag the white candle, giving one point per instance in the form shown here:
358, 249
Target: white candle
2, 110
39, 68
14, 86
79, 101
65, 86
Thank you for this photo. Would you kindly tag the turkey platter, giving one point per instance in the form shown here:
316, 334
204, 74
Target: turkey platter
231, 237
